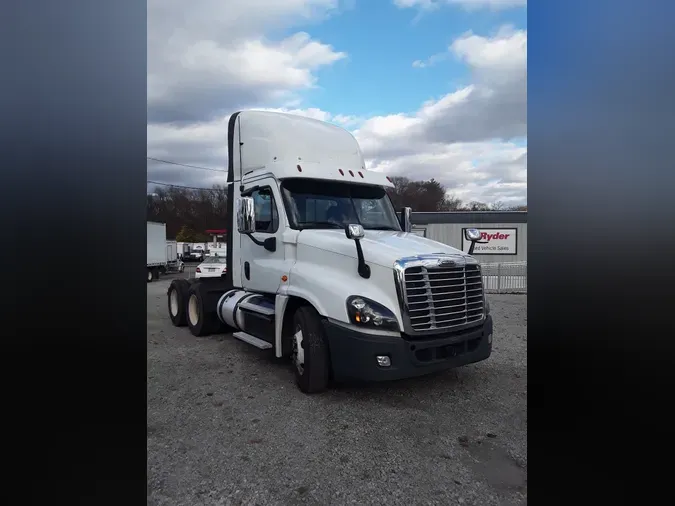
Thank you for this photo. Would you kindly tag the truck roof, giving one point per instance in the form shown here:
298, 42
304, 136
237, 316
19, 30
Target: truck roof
290, 146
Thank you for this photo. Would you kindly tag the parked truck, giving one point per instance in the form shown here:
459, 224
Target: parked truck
173, 262
321, 270
157, 249
162, 253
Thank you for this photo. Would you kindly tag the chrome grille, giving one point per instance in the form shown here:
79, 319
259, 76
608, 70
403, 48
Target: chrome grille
443, 297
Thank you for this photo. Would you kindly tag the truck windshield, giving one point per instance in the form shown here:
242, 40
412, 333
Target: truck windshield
312, 203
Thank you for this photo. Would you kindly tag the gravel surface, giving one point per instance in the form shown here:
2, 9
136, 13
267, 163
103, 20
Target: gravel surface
227, 425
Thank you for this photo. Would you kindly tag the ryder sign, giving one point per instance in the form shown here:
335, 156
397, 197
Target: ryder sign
493, 241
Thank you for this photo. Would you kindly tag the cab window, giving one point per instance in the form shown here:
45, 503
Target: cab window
266, 215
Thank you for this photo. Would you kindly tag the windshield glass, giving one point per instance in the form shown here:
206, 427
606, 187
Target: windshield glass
215, 260
313, 203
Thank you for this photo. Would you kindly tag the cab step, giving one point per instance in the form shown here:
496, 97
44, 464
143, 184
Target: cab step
252, 340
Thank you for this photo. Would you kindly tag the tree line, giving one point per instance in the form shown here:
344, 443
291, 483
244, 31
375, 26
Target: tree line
188, 213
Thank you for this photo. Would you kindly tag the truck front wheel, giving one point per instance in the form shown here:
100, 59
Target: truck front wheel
310, 351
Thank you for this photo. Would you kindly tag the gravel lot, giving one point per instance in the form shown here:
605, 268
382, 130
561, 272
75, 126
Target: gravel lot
227, 425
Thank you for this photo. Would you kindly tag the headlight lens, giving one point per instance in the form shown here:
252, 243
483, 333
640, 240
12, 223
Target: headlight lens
365, 312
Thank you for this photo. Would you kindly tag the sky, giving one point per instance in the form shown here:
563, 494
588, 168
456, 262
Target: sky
429, 88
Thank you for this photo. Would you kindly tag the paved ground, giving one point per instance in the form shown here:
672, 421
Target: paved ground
226, 425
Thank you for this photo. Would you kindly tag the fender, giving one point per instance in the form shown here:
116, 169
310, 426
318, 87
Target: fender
280, 303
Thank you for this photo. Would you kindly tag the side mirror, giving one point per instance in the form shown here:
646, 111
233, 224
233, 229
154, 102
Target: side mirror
245, 215
354, 231
406, 224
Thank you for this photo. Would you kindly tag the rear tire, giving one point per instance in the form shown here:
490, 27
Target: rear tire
310, 351
201, 311
177, 295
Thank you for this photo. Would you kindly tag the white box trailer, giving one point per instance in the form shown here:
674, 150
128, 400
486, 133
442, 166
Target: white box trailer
173, 262
171, 251
157, 249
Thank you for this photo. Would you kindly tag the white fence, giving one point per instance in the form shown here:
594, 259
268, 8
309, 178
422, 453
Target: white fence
503, 277
506, 277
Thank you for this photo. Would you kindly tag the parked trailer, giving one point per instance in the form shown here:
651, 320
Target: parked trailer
156, 242
321, 270
173, 263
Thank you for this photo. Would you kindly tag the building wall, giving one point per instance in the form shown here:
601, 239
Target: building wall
451, 234
447, 228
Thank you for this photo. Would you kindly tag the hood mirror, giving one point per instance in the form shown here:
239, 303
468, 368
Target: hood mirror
473, 235
355, 232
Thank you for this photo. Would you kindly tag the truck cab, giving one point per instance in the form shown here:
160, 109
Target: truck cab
323, 271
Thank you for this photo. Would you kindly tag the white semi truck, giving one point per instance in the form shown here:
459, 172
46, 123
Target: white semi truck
321, 270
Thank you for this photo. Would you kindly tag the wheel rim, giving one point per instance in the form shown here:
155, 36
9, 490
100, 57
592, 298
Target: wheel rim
298, 350
173, 300
193, 310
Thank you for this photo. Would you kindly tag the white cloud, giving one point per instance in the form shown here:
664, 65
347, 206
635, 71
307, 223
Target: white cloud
465, 138
206, 56
431, 61
208, 59
503, 56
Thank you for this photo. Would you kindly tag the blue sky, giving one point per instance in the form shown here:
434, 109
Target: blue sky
378, 78
461, 119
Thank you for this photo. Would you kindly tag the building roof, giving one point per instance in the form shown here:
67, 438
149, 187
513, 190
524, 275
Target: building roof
439, 217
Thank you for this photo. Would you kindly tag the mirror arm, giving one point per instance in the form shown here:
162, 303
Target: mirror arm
473, 245
363, 268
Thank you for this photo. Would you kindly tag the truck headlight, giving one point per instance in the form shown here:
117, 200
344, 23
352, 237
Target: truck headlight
368, 313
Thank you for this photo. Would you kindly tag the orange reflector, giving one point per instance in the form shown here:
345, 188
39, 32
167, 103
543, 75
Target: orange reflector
357, 317
284, 278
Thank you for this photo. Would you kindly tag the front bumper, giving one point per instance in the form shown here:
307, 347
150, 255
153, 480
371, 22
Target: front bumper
353, 354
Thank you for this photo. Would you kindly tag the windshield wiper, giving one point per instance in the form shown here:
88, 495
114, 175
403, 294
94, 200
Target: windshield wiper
320, 224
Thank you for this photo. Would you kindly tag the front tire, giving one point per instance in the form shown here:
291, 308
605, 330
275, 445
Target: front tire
310, 351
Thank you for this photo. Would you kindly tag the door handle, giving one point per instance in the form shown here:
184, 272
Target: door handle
247, 270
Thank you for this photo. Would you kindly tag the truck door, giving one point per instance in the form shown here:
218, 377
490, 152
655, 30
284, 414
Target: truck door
261, 269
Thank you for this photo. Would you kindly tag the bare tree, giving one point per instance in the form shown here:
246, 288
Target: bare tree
192, 212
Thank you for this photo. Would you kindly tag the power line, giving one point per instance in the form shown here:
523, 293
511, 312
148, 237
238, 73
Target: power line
184, 187
184, 165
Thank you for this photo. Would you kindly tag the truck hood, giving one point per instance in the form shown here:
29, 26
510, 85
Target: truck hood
381, 247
